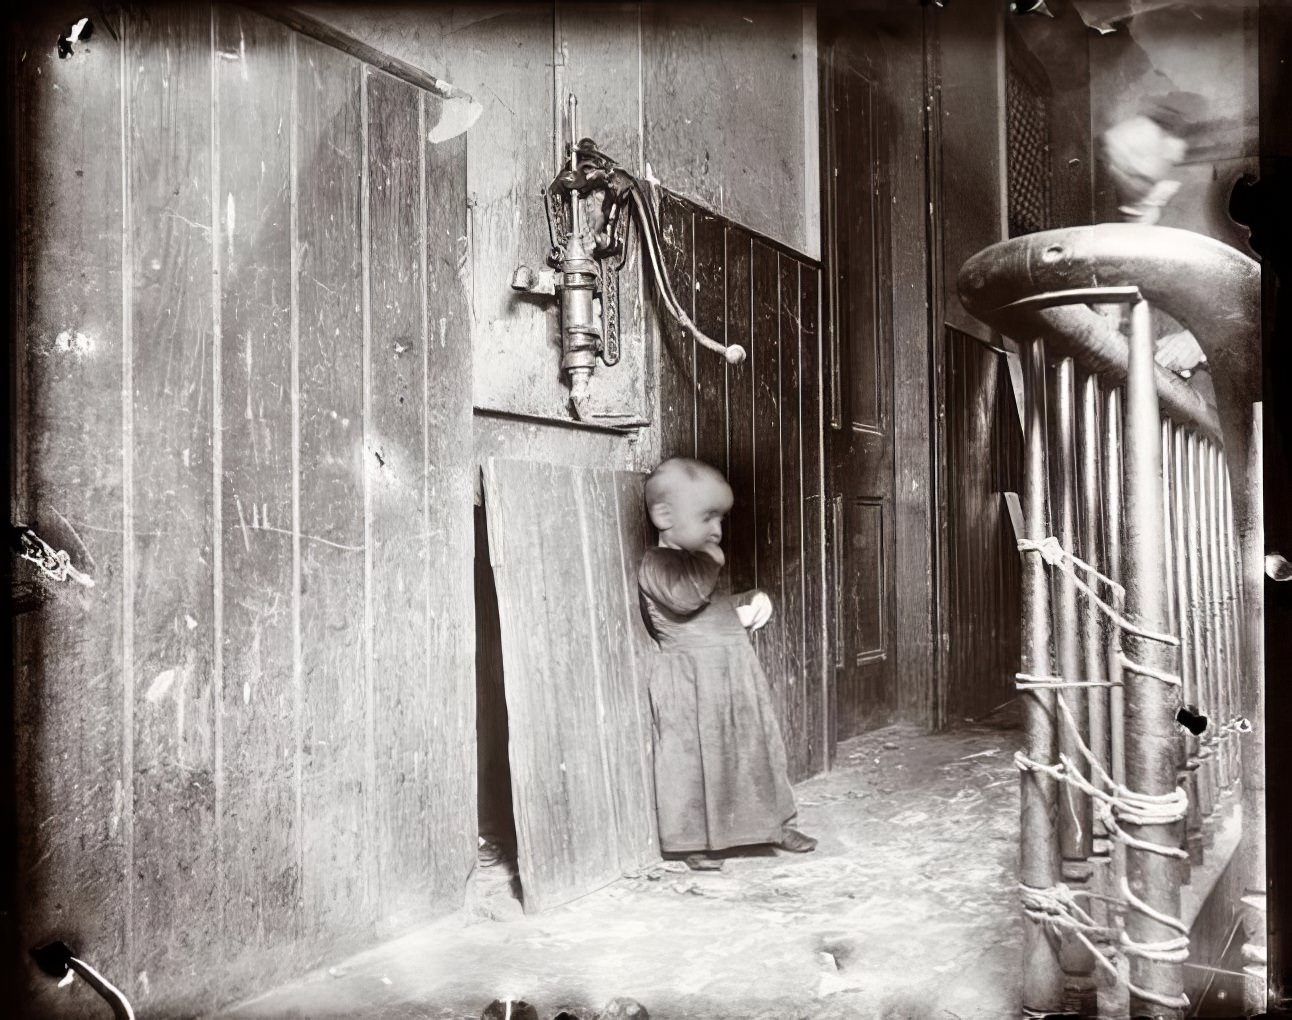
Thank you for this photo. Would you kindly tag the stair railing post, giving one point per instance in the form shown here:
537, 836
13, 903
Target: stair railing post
1039, 849
1151, 705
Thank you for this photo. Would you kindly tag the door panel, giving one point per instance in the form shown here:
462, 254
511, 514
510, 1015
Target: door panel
866, 532
860, 441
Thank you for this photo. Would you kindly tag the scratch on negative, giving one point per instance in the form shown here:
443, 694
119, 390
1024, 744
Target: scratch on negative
113, 531
499, 98
246, 540
199, 226
84, 548
311, 538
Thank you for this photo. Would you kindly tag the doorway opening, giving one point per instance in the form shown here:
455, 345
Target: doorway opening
498, 885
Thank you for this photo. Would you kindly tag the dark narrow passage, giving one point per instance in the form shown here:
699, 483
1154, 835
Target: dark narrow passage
497, 825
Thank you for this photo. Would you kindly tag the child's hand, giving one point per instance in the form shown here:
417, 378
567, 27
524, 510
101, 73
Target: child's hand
757, 613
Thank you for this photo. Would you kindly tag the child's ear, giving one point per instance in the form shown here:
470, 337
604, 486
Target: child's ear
661, 515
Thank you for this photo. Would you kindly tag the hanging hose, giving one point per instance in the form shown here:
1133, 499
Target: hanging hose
733, 353
58, 961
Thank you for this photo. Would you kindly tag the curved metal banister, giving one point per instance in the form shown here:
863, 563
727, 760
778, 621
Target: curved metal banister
1209, 287
1040, 287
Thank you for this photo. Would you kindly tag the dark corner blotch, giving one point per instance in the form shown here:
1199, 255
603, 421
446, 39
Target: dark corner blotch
77, 32
1030, 7
54, 958
1263, 206
1191, 721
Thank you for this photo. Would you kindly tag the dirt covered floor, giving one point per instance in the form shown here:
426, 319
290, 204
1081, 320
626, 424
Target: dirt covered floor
906, 909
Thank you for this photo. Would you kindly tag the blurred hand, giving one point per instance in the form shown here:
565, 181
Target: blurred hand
1138, 155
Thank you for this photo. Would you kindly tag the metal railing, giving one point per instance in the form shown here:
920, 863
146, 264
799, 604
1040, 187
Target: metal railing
1139, 599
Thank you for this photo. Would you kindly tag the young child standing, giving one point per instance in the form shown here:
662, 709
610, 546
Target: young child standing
720, 773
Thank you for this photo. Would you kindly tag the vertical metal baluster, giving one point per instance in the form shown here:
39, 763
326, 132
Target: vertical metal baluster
1075, 815
1185, 556
1094, 658
1113, 539
1219, 695
1235, 612
1174, 612
1039, 850
1229, 738
1202, 675
1150, 723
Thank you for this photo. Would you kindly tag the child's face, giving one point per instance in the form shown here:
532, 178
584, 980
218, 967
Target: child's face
697, 509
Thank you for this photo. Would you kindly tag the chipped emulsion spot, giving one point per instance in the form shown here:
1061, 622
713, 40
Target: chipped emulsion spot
161, 684
73, 341
79, 31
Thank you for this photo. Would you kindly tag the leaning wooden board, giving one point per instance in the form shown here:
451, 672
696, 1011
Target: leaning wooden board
564, 545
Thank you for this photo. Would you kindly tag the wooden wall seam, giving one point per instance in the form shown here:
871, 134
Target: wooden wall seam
127, 494
367, 449
298, 673
217, 478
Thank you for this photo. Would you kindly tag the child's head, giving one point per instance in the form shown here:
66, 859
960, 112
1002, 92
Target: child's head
686, 500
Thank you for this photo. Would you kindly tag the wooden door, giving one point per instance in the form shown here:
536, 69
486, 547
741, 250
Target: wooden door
244, 374
860, 436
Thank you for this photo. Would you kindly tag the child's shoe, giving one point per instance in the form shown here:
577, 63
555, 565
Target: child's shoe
794, 841
703, 862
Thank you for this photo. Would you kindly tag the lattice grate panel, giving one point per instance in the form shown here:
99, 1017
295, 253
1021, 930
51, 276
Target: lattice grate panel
1028, 144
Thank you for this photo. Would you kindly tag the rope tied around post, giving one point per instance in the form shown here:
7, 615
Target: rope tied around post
1113, 802
1057, 908
1052, 552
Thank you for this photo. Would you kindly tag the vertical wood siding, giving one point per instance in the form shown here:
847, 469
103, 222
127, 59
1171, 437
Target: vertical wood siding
984, 447
759, 422
246, 370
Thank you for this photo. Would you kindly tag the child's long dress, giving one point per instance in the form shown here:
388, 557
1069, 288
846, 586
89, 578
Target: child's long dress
720, 775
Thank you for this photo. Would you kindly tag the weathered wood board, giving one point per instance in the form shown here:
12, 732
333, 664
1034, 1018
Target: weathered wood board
245, 370
726, 92
564, 544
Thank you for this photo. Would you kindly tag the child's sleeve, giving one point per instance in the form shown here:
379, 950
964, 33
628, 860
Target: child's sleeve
680, 581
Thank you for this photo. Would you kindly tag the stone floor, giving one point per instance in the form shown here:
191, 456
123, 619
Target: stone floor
906, 909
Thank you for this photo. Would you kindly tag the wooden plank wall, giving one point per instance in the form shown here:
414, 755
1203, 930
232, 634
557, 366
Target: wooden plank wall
761, 423
672, 87
984, 448
247, 375
706, 68
564, 544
